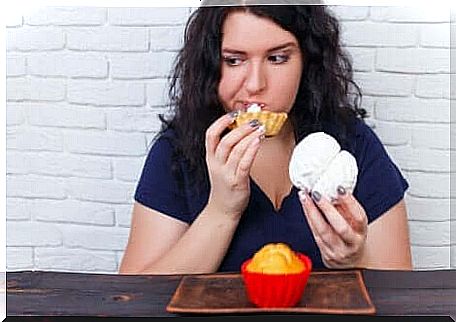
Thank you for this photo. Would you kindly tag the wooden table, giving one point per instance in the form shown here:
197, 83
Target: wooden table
41, 293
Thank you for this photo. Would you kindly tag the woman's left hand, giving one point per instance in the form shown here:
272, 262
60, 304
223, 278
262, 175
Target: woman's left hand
342, 236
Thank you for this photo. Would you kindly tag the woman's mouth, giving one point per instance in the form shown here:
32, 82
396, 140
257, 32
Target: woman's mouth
253, 106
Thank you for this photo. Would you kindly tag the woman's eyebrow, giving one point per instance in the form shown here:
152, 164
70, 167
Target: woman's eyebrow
279, 47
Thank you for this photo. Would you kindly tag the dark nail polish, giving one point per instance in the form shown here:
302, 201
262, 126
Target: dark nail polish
341, 190
254, 123
316, 196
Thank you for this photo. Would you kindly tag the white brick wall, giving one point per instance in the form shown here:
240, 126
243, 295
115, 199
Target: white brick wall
85, 85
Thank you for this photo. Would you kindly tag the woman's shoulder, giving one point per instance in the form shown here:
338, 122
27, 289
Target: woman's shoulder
363, 135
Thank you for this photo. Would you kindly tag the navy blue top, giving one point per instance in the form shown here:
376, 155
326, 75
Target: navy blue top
380, 186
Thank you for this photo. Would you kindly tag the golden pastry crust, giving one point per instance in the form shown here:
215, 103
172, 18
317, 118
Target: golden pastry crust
272, 121
276, 259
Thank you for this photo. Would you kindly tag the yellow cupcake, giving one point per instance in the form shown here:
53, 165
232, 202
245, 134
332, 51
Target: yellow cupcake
276, 259
272, 121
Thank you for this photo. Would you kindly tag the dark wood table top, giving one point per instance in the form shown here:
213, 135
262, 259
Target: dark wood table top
45, 293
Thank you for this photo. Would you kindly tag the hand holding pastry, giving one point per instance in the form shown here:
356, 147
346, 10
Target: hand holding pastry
341, 238
319, 168
229, 160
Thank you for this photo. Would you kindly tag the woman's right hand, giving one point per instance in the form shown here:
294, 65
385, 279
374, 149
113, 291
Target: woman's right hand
229, 160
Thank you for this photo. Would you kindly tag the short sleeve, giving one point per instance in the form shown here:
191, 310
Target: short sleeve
158, 186
380, 183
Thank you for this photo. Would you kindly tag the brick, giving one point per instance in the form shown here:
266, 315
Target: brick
363, 58
147, 16
32, 234
157, 92
66, 16
68, 65
17, 209
453, 255
34, 139
61, 165
433, 86
106, 93
384, 84
123, 215
115, 144
100, 190
15, 113
17, 163
368, 103
413, 60
431, 136
393, 133
19, 258
32, 186
133, 120
426, 258
429, 185
371, 34
62, 115
435, 35
421, 159
128, 169
427, 233
108, 39
73, 211
15, 65
411, 14
349, 13
15, 20
140, 66
33, 38
95, 238
412, 109
166, 38
428, 209
37, 89
75, 260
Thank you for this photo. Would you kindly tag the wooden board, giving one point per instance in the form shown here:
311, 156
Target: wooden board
334, 292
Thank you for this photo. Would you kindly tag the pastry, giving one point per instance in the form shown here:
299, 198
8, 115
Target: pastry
318, 164
272, 121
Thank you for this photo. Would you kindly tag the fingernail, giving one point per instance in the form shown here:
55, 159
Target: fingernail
254, 123
302, 195
316, 196
341, 190
233, 114
261, 129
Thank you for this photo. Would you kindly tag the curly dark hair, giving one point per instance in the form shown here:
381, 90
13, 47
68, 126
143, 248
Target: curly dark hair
327, 100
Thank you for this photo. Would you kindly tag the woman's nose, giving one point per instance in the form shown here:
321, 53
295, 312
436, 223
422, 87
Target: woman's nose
255, 81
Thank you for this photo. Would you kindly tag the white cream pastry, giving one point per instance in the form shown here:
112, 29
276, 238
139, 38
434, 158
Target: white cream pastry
318, 164
254, 108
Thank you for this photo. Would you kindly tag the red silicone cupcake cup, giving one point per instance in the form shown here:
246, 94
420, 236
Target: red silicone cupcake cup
276, 290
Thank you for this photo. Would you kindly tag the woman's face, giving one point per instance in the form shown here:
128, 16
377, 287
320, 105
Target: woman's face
261, 63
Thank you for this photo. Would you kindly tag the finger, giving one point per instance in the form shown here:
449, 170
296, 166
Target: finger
324, 234
232, 139
352, 210
214, 131
245, 163
335, 218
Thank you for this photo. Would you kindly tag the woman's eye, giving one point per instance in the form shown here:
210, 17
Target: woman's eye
232, 61
278, 59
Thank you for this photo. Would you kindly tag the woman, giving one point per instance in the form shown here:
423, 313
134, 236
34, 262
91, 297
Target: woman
209, 198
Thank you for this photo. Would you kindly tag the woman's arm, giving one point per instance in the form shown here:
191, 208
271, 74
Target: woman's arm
388, 244
159, 244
